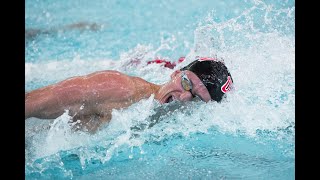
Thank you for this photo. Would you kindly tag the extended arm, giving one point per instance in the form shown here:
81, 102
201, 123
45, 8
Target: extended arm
50, 102
98, 93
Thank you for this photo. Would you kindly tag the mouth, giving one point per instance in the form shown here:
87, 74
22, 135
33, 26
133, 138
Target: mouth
169, 99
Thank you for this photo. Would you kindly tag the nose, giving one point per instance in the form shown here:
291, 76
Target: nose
186, 96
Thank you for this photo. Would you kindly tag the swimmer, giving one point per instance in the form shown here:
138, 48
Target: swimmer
91, 98
32, 33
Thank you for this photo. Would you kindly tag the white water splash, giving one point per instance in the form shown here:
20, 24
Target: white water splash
260, 59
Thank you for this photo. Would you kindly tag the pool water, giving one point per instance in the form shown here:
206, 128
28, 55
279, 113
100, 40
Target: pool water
250, 135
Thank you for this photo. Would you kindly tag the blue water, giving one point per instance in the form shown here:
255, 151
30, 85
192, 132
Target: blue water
251, 135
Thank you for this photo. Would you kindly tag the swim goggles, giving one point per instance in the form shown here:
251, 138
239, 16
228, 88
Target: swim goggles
186, 83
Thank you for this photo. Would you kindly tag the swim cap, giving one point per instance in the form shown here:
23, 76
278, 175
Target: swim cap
213, 74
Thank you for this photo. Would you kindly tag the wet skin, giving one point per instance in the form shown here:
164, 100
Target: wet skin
91, 98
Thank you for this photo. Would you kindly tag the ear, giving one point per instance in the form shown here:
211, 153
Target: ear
175, 73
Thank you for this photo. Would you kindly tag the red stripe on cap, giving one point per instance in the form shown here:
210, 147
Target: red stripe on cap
226, 87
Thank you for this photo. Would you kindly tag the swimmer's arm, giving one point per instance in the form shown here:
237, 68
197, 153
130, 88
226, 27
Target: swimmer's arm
51, 101
41, 103
90, 91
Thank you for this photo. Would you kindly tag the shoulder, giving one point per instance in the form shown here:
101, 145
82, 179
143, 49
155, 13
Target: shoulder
106, 75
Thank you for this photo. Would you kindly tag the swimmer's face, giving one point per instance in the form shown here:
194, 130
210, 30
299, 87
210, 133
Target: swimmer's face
183, 86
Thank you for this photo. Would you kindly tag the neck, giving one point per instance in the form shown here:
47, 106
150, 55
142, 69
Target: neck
145, 89
155, 88
158, 93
